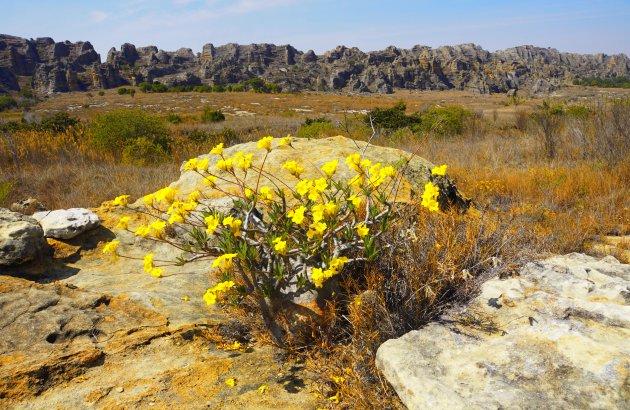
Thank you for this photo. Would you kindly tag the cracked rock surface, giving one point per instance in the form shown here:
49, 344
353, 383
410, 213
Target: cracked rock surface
555, 336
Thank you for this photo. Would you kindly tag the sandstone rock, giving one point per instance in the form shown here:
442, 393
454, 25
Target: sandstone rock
28, 206
66, 223
313, 154
21, 238
554, 337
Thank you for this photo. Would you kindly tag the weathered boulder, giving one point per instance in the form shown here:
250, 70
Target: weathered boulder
313, 154
28, 206
556, 336
66, 223
21, 238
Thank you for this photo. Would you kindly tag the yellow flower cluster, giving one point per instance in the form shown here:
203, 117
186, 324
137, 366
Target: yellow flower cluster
212, 295
123, 223
297, 215
212, 223
148, 266
233, 224
286, 140
362, 230
294, 168
195, 164
265, 143
318, 276
312, 189
330, 168
111, 247
217, 150
280, 246
166, 195
441, 170
429, 197
121, 200
224, 262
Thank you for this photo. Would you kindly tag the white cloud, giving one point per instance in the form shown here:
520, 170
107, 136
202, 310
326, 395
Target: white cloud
249, 6
99, 16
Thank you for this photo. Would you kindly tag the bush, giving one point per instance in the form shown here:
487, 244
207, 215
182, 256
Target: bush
198, 136
318, 130
174, 119
310, 121
444, 121
549, 121
26, 93
59, 122
101, 93
123, 91
142, 151
115, 130
390, 118
7, 102
210, 115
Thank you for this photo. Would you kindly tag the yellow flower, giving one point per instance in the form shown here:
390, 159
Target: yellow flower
210, 297
316, 229
224, 262
230, 382
318, 212
185, 298
330, 168
121, 200
355, 200
429, 197
143, 231
318, 277
225, 165
330, 208
365, 163
441, 170
362, 230
388, 171
335, 398
166, 195
262, 389
244, 162
320, 184
356, 181
123, 223
266, 194
233, 224
203, 164
249, 193
286, 140
337, 264
280, 246
297, 215
294, 168
213, 223
191, 164
265, 143
111, 247
210, 180
157, 272
176, 217
224, 286
148, 199
353, 161
148, 262
194, 196
303, 186
218, 149
157, 228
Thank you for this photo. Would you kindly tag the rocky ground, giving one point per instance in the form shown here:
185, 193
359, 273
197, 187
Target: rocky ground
82, 330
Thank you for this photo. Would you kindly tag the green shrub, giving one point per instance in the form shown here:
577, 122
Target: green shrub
142, 151
115, 130
617, 82
122, 91
390, 118
444, 120
198, 136
174, 119
7, 102
5, 190
310, 121
59, 122
26, 93
318, 130
101, 93
210, 115
218, 89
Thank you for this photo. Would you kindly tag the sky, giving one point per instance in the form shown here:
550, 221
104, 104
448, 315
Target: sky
579, 26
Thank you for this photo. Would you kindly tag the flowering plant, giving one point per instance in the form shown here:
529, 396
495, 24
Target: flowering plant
281, 240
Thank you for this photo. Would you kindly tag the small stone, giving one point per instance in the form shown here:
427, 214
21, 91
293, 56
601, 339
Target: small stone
67, 223
28, 206
21, 238
119, 389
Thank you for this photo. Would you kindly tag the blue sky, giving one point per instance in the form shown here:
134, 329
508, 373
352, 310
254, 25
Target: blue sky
573, 26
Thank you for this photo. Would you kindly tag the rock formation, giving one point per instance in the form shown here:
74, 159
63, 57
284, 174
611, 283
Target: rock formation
21, 238
59, 67
66, 223
555, 336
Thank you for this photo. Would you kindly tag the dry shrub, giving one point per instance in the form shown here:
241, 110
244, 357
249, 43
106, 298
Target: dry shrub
428, 263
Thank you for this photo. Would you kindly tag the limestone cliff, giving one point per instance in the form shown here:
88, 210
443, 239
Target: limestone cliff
49, 67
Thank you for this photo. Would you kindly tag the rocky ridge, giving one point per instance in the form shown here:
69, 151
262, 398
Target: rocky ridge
48, 67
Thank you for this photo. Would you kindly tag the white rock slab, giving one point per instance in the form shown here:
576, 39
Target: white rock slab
66, 223
557, 336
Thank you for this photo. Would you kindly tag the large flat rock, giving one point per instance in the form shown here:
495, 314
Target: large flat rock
554, 337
